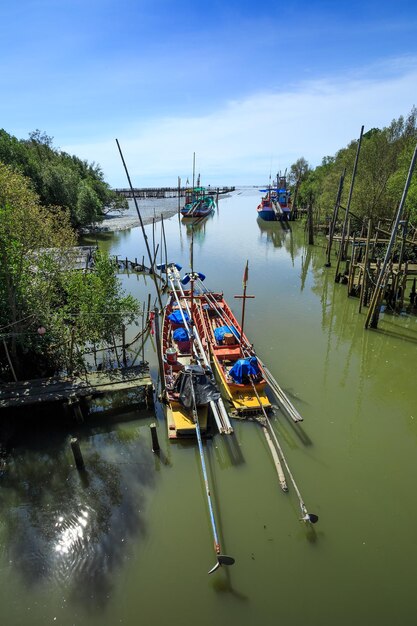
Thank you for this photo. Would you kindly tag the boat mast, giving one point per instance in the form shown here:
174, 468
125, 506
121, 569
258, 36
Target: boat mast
193, 176
192, 289
244, 297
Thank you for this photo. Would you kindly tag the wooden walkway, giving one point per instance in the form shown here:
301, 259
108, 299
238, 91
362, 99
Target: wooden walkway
34, 392
168, 192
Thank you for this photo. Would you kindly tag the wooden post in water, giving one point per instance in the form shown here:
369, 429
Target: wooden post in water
352, 267
413, 294
310, 225
334, 218
400, 262
76, 450
154, 435
373, 313
342, 242
364, 284
179, 195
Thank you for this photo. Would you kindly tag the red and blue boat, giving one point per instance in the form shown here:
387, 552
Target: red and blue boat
276, 204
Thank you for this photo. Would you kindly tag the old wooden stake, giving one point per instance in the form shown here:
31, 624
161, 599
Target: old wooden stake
76, 450
372, 317
342, 243
154, 435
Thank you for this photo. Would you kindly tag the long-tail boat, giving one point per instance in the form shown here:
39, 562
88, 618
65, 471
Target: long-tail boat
276, 204
187, 374
234, 360
197, 203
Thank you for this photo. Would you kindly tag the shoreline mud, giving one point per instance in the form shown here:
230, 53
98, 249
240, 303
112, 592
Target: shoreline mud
114, 222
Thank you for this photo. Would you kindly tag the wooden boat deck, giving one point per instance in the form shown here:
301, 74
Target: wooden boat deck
180, 422
243, 397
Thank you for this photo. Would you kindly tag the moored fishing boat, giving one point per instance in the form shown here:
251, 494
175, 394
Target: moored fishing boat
189, 387
234, 360
189, 384
266, 208
197, 203
276, 204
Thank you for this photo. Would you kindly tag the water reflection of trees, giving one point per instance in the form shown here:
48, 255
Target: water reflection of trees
74, 530
380, 358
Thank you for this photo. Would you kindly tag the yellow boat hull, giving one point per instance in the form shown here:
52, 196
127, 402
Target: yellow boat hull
243, 397
180, 422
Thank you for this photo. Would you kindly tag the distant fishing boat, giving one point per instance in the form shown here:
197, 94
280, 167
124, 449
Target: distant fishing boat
197, 203
276, 204
266, 208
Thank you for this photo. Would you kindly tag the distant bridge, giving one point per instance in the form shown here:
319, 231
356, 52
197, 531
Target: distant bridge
168, 192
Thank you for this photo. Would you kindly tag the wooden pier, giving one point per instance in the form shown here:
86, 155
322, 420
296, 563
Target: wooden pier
69, 389
363, 257
168, 192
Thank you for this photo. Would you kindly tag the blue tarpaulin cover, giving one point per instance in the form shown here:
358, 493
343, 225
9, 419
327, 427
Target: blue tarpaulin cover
244, 368
180, 334
176, 317
221, 331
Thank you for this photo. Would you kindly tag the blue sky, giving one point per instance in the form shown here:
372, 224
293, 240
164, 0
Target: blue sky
248, 86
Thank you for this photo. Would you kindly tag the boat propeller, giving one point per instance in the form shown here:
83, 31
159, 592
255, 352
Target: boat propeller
222, 559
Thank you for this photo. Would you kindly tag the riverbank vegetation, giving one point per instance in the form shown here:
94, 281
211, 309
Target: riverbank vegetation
49, 313
61, 179
383, 165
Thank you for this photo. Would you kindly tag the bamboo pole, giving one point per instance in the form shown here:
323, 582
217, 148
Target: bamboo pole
159, 350
124, 345
352, 267
310, 225
365, 266
9, 360
142, 226
342, 243
275, 458
334, 219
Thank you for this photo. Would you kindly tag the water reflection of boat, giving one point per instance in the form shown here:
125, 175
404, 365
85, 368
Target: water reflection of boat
197, 225
273, 231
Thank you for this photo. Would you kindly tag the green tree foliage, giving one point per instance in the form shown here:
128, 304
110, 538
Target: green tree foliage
93, 313
28, 277
383, 165
74, 307
298, 171
61, 179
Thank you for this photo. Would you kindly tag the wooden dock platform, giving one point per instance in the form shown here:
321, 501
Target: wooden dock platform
168, 192
56, 389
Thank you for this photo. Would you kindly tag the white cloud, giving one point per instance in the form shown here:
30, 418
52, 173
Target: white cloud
239, 143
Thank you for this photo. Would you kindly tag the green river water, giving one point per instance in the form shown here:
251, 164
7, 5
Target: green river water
130, 541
